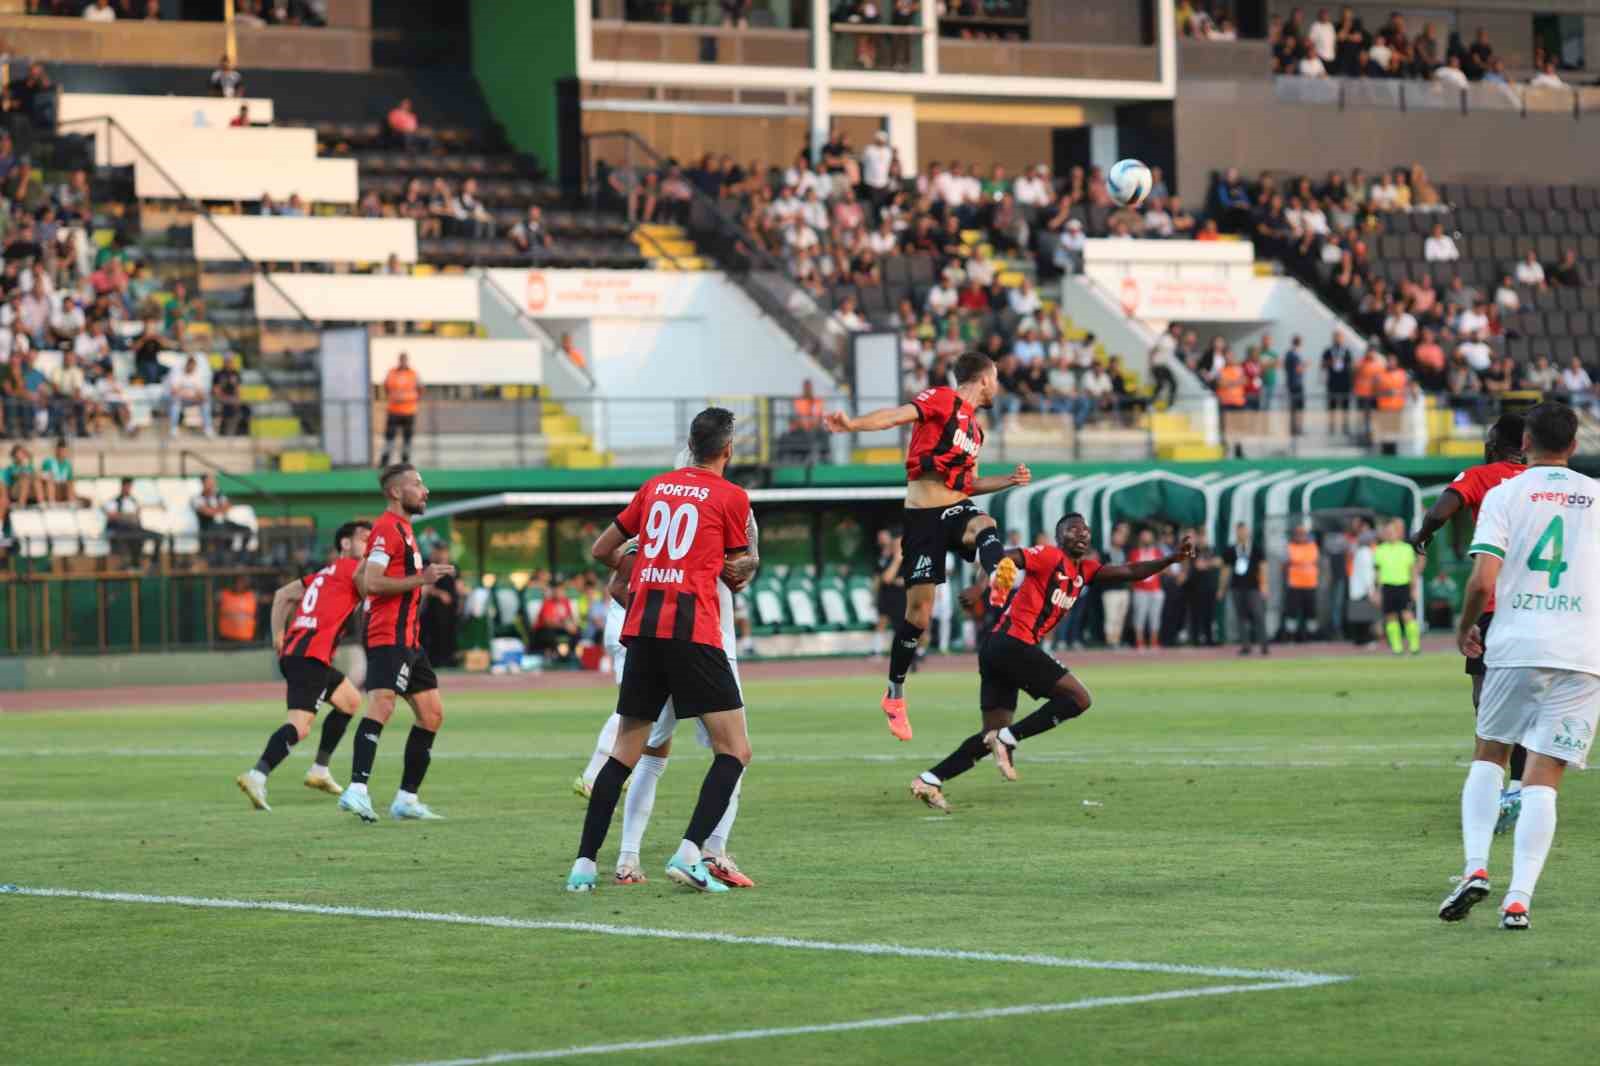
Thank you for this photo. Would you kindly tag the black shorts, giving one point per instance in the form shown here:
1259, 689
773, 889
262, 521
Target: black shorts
1338, 401
696, 677
1475, 667
1396, 598
892, 602
404, 671
930, 533
1007, 665
311, 681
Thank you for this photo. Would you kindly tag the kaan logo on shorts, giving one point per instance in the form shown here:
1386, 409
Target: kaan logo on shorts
1575, 735
1537, 601
662, 575
964, 442
698, 492
1561, 499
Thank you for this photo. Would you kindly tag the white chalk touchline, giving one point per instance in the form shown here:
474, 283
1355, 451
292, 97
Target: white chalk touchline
1263, 980
1297, 977
864, 1023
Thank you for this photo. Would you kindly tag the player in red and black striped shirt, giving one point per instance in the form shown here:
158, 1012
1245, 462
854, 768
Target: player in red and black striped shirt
1013, 660
322, 603
392, 579
940, 517
693, 529
1503, 458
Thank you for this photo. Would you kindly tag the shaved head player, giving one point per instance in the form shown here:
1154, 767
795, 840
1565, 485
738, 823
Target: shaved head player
940, 517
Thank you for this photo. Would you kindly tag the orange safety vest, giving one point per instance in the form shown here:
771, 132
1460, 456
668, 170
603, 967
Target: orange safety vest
400, 386
1367, 372
807, 413
1303, 565
1230, 386
1392, 385
236, 619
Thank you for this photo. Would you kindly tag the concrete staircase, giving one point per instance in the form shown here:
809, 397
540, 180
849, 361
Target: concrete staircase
568, 445
668, 247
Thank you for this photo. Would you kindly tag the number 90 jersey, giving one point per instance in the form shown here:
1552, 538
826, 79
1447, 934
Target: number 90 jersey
1544, 528
687, 522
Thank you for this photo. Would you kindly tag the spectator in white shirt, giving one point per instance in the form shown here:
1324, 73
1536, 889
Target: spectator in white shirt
1440, 247
1506, 296
92, 345
226, 80
1323, 37
1380, 52
1313, 220
980, 268
883, 240
1401, 325
875, 161
786, 208
1476, 351
1451, 73
189, 388
1529, 272
1069, 252
1382, 196
1547, 78
1575, 382
1024, 299
849, 317
1033, 189
1310, 65
948, 186
1473, 320
813, 212
942, 297
800, 238
100, 11
1158, 220
800, 177
68, 322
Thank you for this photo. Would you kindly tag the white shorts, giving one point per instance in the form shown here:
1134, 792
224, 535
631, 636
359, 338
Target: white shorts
1552, 712
662, 731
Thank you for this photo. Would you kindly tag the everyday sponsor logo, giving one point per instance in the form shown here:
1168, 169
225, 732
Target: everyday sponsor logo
1561, 499
1538, 601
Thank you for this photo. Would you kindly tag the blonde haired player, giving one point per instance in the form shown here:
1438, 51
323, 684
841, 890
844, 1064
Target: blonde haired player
1537, 548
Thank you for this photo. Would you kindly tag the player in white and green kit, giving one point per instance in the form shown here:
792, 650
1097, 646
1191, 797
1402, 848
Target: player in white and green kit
1537, 547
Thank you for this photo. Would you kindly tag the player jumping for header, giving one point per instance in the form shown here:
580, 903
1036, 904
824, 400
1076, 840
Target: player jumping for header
1502, 459
1012, 658
940, 517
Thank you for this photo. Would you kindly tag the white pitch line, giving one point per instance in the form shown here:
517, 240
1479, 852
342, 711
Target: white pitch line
865, 1023
1297, 977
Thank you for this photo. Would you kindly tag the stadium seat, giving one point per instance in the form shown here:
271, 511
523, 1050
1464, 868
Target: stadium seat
184, 526
92, 531
863, 602
27, 526
62, 528
799, 596
835, 607
245, 515
768, 598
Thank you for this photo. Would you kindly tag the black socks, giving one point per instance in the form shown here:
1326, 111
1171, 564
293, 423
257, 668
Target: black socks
1059, 709
366, 750
277, 748
715, 792
419, 750
990, 548
962, 759
603, 796
333, 728
903, 652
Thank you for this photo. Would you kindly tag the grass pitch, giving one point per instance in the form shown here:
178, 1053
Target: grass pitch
1285, 815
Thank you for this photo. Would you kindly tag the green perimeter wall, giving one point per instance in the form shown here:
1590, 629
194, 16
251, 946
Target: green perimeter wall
520, 49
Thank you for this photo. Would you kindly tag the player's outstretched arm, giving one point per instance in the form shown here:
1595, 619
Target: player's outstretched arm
1438, 516
872, 421
1122, 573
1485, 571
984, 485
283, 602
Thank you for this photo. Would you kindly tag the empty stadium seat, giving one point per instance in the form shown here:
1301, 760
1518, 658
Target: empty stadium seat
863, 602
62, 527
768, 602
799, 597
835, 606
27, 526
92, 532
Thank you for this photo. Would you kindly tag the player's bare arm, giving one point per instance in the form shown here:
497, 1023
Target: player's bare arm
742, 564
1439, 515
872, 421
617, 587
1019, 476
1122, 573
283, 604
372, 581
609, 547
1480, 586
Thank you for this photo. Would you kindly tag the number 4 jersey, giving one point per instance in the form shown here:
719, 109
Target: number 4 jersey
1543, 526
687, 523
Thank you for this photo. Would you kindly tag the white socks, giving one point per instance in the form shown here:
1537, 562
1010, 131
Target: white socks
1006, 738
405, 797
640, 801
256, 775
358, 787
1536, 828
1480, 808
584, 866
688, 853
717, 842
602, 748
929, 779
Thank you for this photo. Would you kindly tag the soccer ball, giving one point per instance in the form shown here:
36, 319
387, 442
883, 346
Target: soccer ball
1128, 182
